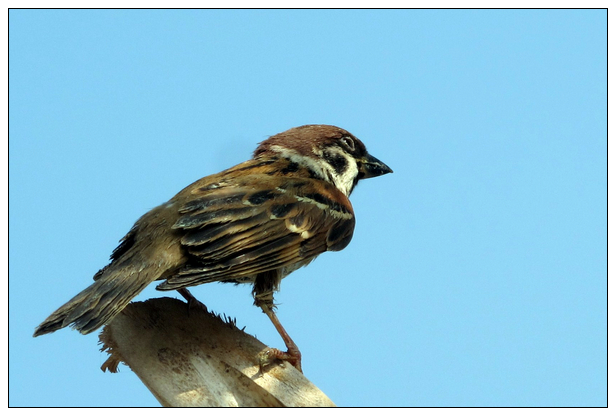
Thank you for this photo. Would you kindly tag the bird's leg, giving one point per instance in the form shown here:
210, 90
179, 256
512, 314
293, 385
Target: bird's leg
263, 292
193, 302
292, 355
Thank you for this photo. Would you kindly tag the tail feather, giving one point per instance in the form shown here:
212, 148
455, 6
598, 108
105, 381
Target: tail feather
99, 303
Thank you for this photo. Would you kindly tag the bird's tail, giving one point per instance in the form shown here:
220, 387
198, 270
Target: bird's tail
96, 305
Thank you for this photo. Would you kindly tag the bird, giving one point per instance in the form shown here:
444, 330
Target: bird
253, 223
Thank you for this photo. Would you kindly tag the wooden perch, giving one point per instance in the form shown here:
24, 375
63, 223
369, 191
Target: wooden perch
195, 358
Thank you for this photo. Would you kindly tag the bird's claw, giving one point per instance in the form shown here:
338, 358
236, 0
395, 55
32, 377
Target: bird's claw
268, 356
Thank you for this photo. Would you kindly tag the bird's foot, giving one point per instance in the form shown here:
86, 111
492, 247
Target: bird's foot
269, 355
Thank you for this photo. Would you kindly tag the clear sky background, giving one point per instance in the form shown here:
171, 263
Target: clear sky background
477, 273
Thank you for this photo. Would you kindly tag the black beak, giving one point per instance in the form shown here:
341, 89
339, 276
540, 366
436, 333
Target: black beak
370, 167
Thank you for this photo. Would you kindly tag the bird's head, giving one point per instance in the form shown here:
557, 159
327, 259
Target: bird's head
330, 153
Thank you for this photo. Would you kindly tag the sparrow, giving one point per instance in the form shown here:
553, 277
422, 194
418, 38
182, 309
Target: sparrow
253, 223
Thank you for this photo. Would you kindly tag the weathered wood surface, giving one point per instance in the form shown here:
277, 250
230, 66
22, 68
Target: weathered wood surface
190, 357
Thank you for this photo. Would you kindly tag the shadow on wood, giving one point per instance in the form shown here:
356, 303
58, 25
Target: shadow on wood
195, 358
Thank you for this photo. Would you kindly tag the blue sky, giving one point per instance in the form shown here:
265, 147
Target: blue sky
477, 272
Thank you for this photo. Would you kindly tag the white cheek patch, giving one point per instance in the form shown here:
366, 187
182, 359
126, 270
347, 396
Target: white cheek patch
344, 180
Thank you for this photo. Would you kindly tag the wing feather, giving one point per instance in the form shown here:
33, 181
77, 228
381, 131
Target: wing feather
234, 232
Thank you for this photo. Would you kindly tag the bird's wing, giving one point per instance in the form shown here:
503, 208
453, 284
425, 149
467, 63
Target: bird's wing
236, 229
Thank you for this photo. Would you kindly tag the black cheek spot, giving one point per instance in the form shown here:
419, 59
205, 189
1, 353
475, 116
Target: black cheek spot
337, 161
259, 198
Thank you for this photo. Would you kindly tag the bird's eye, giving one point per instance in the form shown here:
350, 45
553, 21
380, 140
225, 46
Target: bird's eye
348, 142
